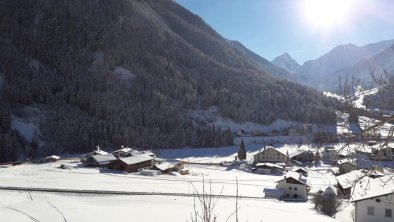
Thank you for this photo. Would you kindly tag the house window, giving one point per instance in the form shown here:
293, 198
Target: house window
289, 188
389, 213
371, 211
295, 188
287, 195
295, 195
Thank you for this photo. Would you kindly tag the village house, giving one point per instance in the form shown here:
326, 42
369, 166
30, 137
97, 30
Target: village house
165, 167
374, 200
267, 168
132, 164
345, 166
302, 156
270, 154
294, 186
346, 181
302, 171
99, 160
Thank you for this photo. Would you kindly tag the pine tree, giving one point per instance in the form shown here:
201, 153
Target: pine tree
242, 151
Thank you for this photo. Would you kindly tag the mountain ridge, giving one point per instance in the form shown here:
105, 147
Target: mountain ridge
125, 72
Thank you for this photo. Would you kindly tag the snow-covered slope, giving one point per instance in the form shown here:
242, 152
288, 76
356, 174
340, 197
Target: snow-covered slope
286, 62
317, 72
363, 69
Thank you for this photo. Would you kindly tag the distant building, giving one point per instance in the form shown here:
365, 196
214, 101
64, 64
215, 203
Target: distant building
302, 171
270, 154
267, 168
164, 167
99, 160
132, 164
98, 151
241, 132
303, 156
345, 166
294, 186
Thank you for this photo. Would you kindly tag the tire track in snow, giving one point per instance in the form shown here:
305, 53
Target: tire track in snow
57, 210
27, 215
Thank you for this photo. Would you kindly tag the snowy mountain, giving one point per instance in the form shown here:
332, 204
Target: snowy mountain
344, 57
286, 62
382, 61
259, 61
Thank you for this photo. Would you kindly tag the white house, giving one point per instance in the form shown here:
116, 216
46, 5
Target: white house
374, 200
294, 186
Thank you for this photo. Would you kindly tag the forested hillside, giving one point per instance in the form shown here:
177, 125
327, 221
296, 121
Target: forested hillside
112, 72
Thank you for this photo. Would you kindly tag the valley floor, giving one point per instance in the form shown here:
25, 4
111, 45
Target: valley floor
43, 206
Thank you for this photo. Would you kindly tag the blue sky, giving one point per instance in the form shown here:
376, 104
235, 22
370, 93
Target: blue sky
272, 27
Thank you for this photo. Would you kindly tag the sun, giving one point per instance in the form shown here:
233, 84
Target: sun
327, 13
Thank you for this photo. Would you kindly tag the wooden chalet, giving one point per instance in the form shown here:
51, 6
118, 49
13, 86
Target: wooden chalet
132, 164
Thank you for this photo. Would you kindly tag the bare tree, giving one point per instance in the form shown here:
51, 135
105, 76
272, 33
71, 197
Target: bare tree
206, 201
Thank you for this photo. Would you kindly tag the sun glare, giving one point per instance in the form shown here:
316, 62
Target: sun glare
327, 13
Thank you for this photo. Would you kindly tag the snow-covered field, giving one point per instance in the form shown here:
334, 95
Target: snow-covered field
43, 206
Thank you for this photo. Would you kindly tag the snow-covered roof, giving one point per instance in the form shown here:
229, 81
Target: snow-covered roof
124, 150
347, 180
53, 157
135, 159
296, 176
164, 166
272, 165
282, 151
368, 188
104, 158
350, 161
99, 152
295, 153
301, 169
